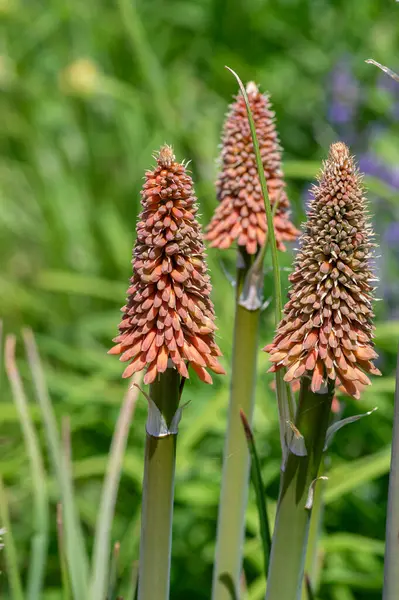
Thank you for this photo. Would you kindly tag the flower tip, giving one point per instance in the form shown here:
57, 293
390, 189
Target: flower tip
339, 151
251, 88
166, 156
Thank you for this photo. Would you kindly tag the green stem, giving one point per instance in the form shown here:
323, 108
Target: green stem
312, 562
158, 492
391, 579
292, 519
234, 492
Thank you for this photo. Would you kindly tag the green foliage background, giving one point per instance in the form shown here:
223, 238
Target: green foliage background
88, 91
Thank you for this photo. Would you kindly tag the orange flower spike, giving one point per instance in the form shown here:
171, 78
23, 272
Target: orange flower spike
169, 318
329, 311
241, 215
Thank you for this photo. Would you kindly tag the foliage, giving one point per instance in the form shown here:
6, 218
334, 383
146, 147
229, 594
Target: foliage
89, 90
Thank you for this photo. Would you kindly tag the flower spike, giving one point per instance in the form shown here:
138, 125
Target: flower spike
241, 213
169, 318
327, 329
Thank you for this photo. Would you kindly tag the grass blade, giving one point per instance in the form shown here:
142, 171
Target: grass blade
309, 589
389, 72
113, 576
256, 477
131, 593
49, 420
39, 545
101, 552
9, 548
148, 63
391, 579
74, 541
66, 589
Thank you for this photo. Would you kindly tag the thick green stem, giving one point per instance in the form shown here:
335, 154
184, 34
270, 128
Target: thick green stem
292, 520
158, 492
235, 477
391, 577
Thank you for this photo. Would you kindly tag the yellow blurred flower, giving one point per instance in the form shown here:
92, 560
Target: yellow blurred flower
80, 78
7, 7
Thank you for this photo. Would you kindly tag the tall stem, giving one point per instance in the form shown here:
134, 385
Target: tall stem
236, 462
292, 520
313, 560
391, 578
158, 493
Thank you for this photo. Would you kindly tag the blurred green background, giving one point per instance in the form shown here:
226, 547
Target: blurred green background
89, 90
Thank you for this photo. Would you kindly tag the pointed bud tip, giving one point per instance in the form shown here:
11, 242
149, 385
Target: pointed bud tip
166, 156
251, 88
339, 151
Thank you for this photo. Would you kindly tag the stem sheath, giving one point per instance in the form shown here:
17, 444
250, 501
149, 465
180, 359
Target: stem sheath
292, 520
158, 493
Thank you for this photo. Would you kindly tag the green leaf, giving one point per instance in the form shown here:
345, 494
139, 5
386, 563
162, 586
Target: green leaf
339, 424
39, 544
343, 542
10, 549
387, 336
349, 476
102, 537
256, 478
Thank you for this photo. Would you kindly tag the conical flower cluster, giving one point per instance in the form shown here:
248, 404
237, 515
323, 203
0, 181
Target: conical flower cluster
169, 318
241, 213
327, 329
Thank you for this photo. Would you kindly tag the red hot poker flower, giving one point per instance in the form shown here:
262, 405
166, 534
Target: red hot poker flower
169, 318
327, 330
241, 213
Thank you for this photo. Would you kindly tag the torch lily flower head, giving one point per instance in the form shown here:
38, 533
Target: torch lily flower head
241, 216
327, 329
169, 318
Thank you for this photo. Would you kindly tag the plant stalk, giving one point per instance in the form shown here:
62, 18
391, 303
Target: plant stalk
391, 578
158, 493
313, 559
290, 536
236, 462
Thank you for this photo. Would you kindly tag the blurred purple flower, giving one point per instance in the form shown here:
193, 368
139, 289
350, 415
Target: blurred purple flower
391, 235
371, 164
344, 93
339, 112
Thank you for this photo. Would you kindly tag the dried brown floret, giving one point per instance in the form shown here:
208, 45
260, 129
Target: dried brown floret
241, 213
328, 326
169, 318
